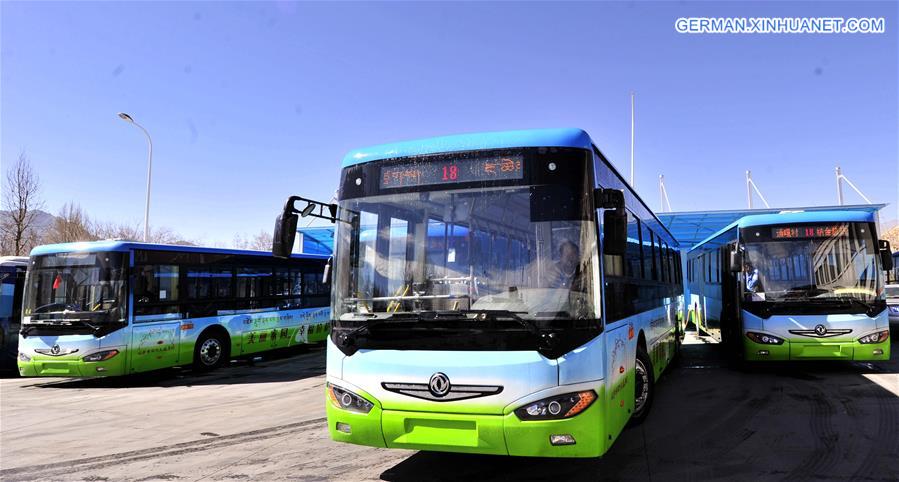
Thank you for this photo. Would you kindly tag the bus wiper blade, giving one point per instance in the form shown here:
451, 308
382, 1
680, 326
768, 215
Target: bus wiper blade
506, 315
546, 340
349, 338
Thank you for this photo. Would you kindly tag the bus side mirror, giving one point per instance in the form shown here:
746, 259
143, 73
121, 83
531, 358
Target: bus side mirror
614, 239
886, 255
736, 261
614, 220
285, 231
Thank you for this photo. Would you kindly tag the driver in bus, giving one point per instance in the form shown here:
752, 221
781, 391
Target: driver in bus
567, 269
753, 283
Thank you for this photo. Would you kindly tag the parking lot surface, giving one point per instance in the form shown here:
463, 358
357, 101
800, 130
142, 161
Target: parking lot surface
266, 421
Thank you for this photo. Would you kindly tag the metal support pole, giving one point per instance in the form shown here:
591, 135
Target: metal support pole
661, 193
749, 189
839, 186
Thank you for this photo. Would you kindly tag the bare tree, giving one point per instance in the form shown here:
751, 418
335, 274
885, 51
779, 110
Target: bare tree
21, 201
262, 241
123, 231
259, 242
70, 225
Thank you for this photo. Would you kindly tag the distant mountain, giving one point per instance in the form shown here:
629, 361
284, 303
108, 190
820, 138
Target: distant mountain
43, 220
892, 235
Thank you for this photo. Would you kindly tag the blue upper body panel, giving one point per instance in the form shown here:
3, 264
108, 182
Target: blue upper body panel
806, 217
94, 246
470, 142
793, 217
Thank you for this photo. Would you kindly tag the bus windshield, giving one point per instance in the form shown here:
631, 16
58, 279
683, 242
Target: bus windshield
520, 250
817, 262
77, 287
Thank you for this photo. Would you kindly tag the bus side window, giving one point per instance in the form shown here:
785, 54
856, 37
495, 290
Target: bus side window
646, 250
156, 290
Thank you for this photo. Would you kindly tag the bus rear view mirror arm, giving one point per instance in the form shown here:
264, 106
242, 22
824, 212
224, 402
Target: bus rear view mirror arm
614, 220
286, 223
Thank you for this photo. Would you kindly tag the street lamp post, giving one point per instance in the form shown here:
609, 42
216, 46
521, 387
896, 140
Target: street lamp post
127, 118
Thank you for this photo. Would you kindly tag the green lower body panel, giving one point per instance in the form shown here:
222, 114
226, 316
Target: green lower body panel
71, 367
468, 433
816, 350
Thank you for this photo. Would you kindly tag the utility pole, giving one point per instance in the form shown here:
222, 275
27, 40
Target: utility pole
632, 139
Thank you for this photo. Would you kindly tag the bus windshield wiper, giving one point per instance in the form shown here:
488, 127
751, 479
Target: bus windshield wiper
505, 315
56, 323
349, 338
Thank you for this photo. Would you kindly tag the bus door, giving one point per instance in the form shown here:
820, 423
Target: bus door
156, 328
154, 345
731, 321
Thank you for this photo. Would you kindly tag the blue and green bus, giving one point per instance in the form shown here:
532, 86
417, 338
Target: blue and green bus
114, 308
12, 282
497, 293
794, 286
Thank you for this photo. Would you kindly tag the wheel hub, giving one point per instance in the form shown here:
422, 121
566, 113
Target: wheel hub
210, 352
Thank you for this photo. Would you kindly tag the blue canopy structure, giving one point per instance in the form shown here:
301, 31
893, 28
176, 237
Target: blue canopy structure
689, 228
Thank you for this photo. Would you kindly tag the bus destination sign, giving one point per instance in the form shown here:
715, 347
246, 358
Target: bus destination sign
453, 171
802, 232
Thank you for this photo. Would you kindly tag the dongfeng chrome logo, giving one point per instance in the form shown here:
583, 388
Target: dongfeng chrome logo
55, 350
820, 330
439, 385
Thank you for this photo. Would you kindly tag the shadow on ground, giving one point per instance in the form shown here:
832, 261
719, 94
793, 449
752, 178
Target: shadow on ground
285, 365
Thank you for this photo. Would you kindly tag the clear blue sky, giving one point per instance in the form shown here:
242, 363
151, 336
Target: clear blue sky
251, 102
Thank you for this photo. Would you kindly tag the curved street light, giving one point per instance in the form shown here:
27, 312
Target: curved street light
127, 118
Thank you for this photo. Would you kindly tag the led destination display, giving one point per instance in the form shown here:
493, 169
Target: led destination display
801, 232
451, 172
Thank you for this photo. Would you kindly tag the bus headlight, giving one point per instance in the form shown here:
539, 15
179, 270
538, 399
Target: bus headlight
876, 337
557, 407
348, 400
100, 356
23, 357
764, 339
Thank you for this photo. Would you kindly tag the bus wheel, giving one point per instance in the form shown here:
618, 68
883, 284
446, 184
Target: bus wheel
644, 387
211, 351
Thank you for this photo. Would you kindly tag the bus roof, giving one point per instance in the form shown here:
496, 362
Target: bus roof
566, 137
13, 260
788, 217
115, 245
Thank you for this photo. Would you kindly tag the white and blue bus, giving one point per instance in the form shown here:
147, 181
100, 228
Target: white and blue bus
12, 282
114, 308
498, 293
794, 286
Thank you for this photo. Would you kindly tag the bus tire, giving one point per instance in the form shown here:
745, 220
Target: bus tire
644, 387
211, 350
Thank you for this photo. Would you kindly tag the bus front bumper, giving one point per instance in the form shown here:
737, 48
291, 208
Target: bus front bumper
44, 366
816, 350
469, 433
